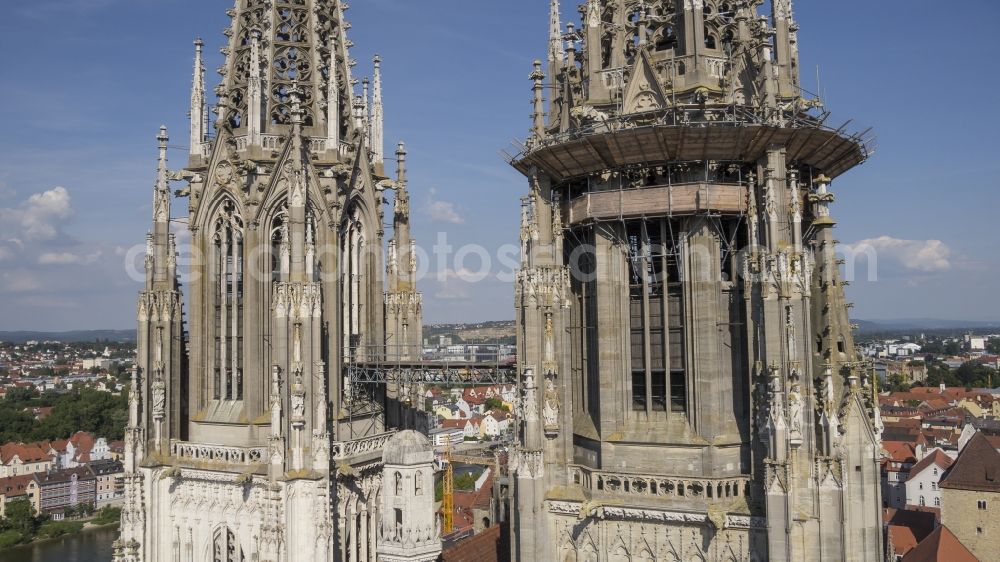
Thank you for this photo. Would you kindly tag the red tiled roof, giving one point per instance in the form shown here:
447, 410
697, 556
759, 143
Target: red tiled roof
475, 499
82, 473
902, 538
905, 423
900, 451
488, 546
499, 415
920, 520
28, 453
15, 486
940, 546
83, 441
977, 467
937, 457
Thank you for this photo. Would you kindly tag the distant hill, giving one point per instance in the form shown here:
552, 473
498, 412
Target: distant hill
69, 337
492, 331
905, 324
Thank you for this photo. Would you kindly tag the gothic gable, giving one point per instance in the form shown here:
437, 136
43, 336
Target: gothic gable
282, 185
644, 92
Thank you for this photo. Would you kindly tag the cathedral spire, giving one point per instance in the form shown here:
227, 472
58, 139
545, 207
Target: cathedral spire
291, 43
254, 91
161, 195
555, 54
197, 112
332, 100
401, 224
158, 275
538, 115
297, 190
377, 114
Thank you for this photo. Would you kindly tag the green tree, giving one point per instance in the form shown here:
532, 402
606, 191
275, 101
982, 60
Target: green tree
938, 373
21, 518
46, 372
993, 346
496, 404
897, 383
15, 423
974, 374
19, 396
10, 538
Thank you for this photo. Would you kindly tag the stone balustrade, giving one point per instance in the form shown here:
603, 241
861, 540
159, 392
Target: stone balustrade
276, 142
603, 482
365, 445
217, 453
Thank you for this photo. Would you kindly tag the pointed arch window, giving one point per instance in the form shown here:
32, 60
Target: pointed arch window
418, 484
227, 270
666, 38
710, 41
399, 484
225, 547
280, 246
355, 267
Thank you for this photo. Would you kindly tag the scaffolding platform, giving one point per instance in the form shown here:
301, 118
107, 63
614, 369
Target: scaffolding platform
431, 372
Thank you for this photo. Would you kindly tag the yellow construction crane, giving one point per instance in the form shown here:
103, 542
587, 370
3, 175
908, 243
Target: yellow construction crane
448, 495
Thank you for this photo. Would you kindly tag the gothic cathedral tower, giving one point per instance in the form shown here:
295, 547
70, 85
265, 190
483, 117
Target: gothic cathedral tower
690, 386
240, 444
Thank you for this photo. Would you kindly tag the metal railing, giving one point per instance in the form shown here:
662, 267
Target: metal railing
485, 364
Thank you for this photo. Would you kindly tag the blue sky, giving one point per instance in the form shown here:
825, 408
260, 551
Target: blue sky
85, 84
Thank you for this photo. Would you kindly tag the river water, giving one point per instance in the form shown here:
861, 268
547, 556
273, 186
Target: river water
88, 546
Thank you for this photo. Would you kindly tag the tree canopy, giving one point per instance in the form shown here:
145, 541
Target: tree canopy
100, 413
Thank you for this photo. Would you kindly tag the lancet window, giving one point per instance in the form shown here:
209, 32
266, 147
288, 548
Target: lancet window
228, 278
353, 269
658, 376
280, 247
225, 547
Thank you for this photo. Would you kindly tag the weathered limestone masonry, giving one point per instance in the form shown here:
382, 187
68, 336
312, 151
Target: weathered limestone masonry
690, 388
241, 445
409, 530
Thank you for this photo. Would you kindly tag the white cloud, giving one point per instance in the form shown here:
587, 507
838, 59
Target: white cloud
452, 293
926, 256
67, 258
19, 281
39, 218
462, 274
442, 211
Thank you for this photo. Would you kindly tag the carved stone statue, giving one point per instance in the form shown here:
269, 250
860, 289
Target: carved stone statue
159, 398
795, 411
298, 399
275, 383
550, 409
530, 409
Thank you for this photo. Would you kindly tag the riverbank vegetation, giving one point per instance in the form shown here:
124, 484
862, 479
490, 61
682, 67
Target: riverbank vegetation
22, 526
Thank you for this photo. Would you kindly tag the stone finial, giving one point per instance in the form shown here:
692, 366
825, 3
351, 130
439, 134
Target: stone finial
555, 35
401, 165
538, 116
